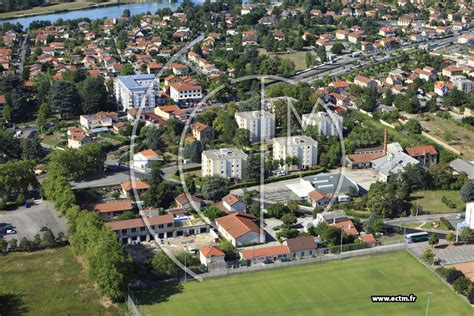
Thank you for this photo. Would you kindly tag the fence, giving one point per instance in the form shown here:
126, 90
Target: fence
307, 260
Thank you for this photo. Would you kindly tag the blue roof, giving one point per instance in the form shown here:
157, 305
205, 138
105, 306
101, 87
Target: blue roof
131, 82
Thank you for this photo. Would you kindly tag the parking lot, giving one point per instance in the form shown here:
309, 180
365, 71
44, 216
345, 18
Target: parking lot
28, 221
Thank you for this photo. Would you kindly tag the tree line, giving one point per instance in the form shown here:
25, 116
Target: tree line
107, 263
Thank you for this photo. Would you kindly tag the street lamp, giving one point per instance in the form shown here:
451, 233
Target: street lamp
428, 303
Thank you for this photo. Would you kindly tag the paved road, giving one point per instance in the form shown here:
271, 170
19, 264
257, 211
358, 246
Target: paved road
28, 221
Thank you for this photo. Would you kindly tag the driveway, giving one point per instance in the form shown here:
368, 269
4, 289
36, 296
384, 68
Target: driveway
28, 221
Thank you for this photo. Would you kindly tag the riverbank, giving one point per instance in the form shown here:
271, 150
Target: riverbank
62, 7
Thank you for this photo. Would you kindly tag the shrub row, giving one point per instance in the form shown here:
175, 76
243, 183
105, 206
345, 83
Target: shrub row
459, 281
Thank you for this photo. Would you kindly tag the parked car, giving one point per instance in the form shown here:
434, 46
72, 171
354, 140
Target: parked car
11, 232
281, 173
44, 228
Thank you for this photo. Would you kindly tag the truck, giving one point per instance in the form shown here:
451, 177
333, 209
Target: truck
356, 54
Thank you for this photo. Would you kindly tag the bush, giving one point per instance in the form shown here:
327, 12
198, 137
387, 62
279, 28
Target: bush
20, 200
453, 276
446, 223
25, 244
463, 286
471, 296
444, 272
448, 202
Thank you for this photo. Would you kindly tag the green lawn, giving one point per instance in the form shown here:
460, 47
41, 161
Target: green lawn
431, 201
47, 283
331, 288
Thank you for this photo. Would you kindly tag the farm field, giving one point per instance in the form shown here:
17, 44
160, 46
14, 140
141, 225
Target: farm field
48, 282
331, 288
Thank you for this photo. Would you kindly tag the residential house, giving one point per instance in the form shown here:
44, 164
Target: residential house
99, 119
426, 155
182, 201
232, 203
211, 256
185, 94
319, 199
442, 87
452, 71
302, 246
265, 254
347, 227
111, 209
139, 185
239, 228
365, 82
144, 160
202, 132
76, 140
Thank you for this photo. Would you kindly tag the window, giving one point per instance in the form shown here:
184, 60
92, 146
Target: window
169, 225
133, 230
124, 231
160, 226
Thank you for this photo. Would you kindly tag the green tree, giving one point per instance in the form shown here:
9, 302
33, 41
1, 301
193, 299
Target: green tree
309, 59
212, 212
277, 210
3, 245
433, 240
42, 118
466, 234
337, 48
214, 187
450, 237
242, 137
162, 266
428, 256
93, 95
64, 99
374, 224
288, 220
467, 192
127, 70
413, 126
25, 244
48, 239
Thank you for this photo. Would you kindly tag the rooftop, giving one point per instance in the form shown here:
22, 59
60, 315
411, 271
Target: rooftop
136, 82
224, 153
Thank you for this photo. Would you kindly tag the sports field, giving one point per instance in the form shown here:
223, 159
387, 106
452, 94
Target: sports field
48, 282
331, 288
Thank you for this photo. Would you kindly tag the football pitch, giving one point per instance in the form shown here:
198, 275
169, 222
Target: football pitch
330, 288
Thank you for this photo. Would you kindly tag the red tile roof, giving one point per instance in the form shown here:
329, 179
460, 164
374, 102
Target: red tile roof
421, 150
238, 224
138, 184
347, 226
211, 251
116, 206
267, 251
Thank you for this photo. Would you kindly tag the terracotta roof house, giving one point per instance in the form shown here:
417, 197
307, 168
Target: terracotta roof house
76, 140
109, 210
232, 203
211, 256
239, 228
426, 155
340, 85
139, 185
202, 131
265, 254
368, 239
182, 201
317, 198
301, 246
143, 160
347, 226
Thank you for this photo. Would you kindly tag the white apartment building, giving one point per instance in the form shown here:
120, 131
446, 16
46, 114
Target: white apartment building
326, 125
303, 147
225, 162
183, 93
130, 90
463, 84
260, 124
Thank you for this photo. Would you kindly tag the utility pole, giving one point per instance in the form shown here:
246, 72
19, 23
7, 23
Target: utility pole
428, 304
185, 269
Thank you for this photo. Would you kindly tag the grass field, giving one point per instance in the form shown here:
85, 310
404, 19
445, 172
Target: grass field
47, 283
431, 201
331, 288
455, 135
297, 57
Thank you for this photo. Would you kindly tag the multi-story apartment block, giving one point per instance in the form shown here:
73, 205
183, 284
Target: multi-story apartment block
261, 124
183, 93
225, 162
463, 84
303, 147
130, 91
326, 125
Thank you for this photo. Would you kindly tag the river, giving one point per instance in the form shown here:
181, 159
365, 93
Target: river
102, 12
